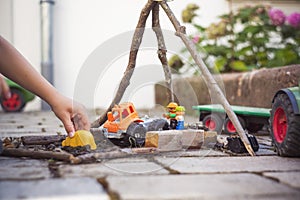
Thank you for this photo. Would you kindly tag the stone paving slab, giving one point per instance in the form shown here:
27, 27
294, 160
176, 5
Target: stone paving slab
23, 169
129, 166
70, 189
30, 118
289, 178
29, 123
26, 127
206, 152
195, 153
265, 150
30, 131
205, 186
202, 174
230, 164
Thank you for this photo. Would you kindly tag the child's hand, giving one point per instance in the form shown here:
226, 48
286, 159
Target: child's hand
4, 88
72, 114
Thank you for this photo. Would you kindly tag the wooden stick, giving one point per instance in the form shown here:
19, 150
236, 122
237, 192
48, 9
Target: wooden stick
162, 51
42, 140
13, 152
210, 81
136, 42
92, 157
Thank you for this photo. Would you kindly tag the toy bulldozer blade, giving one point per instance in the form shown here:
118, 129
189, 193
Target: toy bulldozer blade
80, 138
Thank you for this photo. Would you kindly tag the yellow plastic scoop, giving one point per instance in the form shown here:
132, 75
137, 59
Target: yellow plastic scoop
80, 138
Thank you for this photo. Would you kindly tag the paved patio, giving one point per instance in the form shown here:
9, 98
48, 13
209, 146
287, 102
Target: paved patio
188, 174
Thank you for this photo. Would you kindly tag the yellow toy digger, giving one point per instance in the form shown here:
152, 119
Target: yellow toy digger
80, 138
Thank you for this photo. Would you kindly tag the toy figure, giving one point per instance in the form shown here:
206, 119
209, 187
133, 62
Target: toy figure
180, 111
171, 114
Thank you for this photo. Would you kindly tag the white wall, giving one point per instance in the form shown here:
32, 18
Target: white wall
83, 28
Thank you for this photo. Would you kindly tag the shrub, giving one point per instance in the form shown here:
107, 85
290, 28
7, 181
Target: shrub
253, 37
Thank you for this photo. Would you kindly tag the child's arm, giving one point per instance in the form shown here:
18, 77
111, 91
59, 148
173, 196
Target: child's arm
14, 66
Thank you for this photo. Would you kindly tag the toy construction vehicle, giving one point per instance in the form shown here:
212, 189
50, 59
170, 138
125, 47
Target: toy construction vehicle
285, 121
123, 123
19, 98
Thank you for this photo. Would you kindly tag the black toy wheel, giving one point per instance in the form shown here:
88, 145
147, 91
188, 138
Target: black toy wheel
138, 132
285, 127
229, 127
213, 123
15, 103
254, 128
157, 125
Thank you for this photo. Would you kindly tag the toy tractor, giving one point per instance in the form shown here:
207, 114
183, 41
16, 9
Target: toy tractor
124, 123
18, 100
285, 121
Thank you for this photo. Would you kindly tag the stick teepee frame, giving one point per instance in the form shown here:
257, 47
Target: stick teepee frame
153, 5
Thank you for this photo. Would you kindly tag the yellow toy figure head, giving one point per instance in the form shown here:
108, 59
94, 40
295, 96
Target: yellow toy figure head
172, 107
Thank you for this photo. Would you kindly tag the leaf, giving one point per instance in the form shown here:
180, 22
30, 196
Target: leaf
242, 37
220, 63
200, 28
243, 51
259, 41
245, 14
251, 67
252, 29
217, 50
288, 56
261, 55
239, 66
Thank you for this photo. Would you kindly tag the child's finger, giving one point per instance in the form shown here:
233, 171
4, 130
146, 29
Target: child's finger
69, 127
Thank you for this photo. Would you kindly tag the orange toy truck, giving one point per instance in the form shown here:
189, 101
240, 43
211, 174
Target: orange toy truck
124, 120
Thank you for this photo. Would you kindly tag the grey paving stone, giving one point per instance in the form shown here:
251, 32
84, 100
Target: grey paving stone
205, 186
132, 159
29, 123
289, 178
195, 153
265, 150
23, 169
26, 127
114, 167
80, 188
230, 164
29, 118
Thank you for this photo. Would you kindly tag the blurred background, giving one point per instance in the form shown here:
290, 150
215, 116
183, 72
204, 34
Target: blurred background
80, 26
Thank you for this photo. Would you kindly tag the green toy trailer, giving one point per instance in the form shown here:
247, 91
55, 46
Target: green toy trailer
285, 121
19, 98
214, 118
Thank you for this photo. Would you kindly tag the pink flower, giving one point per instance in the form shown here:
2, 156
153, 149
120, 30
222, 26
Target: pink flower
196, 39
294, 20
277, 17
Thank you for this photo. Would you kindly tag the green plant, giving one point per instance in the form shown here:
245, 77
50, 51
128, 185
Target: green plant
250, 38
